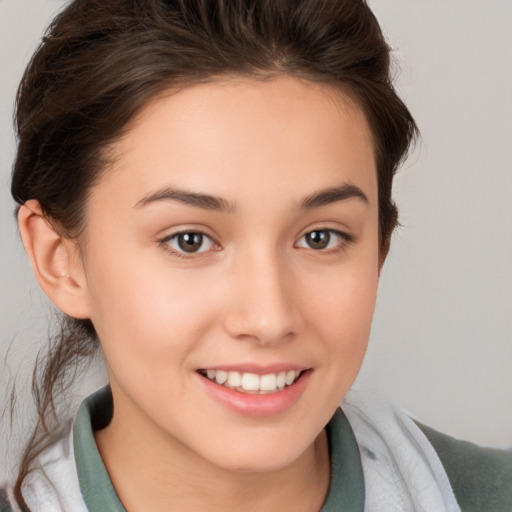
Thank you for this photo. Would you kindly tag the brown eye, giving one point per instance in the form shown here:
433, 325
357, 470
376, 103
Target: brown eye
190, 242
324, 240
318, 239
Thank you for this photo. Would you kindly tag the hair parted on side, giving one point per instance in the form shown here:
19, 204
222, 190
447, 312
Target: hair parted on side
101, 62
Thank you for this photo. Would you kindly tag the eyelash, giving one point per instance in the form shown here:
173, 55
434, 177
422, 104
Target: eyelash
166, 243
344, 239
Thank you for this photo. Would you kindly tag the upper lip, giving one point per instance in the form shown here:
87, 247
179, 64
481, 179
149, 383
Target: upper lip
257, 369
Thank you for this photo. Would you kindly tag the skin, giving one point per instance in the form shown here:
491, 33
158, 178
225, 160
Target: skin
256, 294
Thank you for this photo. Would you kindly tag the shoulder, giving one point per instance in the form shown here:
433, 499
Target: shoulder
481, 478
53, 485
394, 448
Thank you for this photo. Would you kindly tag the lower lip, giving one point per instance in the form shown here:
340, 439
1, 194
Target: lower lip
257, 405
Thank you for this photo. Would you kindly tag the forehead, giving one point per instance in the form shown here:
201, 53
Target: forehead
242, 138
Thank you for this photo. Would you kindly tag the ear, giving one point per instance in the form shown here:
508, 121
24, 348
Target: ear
55, 260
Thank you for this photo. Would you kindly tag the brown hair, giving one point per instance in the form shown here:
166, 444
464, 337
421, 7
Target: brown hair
102, 61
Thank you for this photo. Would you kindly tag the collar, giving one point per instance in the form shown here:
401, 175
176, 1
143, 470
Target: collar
346, 488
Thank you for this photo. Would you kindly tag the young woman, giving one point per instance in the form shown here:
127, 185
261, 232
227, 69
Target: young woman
204, 191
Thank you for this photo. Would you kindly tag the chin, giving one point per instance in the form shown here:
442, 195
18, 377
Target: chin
259, 457
270, 464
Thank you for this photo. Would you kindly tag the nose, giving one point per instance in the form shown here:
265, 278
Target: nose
263, 307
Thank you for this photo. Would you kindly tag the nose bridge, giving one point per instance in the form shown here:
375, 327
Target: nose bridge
262, 306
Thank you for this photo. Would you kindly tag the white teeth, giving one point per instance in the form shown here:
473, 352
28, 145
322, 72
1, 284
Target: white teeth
268, 382
281, 380
220, 376
252, 382
290, 377
234, 379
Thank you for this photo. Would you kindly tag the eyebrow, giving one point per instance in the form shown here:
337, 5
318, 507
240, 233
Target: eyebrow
333, 195
204, 201
209, 202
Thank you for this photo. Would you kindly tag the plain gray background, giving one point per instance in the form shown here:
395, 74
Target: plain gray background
441, 345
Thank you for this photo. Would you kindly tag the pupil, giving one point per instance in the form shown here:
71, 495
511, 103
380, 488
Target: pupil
318, 239
190, 242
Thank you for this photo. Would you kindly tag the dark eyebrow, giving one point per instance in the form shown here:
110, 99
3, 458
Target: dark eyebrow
204, 201
332, 195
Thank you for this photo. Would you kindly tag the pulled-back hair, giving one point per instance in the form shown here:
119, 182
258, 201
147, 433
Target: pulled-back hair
101, 62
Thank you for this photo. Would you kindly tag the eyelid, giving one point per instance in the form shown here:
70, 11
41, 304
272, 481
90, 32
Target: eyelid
165, 242
343, 237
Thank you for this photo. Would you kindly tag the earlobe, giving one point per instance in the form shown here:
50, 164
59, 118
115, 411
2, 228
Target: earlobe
54, 260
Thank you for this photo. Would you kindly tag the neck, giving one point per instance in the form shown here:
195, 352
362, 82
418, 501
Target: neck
151, 472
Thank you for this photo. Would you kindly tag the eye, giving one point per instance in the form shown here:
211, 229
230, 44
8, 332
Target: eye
324, 239
189, 242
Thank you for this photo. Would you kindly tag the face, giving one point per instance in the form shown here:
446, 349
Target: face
231, 262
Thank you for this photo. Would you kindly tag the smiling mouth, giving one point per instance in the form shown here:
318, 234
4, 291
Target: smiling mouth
252, 383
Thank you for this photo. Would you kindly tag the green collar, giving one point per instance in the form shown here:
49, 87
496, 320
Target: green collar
97, 489
346, 488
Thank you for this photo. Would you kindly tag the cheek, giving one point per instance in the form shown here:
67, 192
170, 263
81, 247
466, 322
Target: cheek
347, 317
143, 315
344, 297
342, 312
